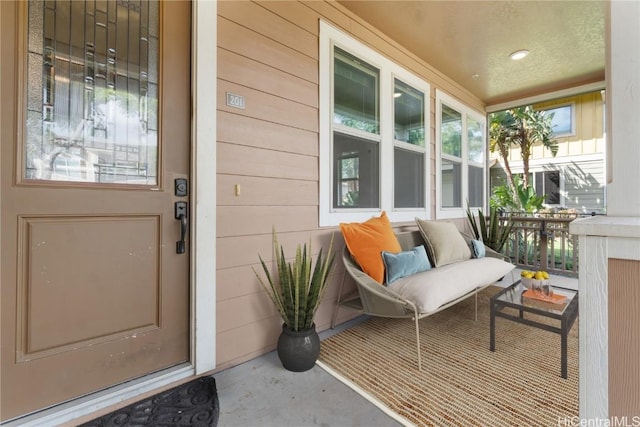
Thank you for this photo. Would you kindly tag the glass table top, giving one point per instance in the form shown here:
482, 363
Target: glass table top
513, 296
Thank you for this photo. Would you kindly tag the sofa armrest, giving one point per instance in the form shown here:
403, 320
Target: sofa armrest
376, 299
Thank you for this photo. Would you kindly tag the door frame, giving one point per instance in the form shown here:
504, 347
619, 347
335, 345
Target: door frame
202, 235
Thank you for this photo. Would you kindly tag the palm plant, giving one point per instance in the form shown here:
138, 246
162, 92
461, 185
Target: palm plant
532, 127
501, 127
493, 234
527, 197
297, 289
518, 198
521, 127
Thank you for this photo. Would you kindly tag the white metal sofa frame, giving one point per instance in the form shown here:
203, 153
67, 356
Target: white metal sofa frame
374, 299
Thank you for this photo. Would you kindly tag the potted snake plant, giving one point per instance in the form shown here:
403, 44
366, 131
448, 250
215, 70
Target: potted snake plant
296, 290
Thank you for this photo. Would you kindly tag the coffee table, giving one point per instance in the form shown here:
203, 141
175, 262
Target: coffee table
512, 297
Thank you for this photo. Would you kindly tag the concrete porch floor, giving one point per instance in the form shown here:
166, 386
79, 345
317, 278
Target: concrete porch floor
262, 393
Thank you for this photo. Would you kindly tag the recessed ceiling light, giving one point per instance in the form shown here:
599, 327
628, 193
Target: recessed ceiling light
475, 76
519, 54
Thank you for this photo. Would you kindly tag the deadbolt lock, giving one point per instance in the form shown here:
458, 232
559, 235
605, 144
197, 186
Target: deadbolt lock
181, 187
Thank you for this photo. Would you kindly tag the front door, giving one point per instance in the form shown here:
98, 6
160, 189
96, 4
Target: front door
95, 128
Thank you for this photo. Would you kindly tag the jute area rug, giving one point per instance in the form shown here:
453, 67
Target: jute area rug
462, 383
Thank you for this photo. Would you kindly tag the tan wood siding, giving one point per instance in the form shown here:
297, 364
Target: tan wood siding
250, 73
250, 132
243, 41
271, 25
268, 107
237, 312
234, 221
243, 160
241, 251
268, 53
258, 191
234, 282
624, 338
296, 13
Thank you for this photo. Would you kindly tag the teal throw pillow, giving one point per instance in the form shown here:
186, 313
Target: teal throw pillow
479, 251
403, 264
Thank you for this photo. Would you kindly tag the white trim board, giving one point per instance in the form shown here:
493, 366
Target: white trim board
203, 201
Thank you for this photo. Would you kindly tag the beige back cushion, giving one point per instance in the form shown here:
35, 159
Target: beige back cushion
444, 243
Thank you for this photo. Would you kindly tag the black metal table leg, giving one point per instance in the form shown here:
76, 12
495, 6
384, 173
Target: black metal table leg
563, 348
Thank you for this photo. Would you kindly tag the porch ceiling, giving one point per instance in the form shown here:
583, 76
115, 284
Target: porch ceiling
566, 40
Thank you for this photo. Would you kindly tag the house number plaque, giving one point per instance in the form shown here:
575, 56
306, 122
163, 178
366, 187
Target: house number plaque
235, 101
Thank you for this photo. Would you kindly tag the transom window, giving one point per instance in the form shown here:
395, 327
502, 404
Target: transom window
373, 132
460, 151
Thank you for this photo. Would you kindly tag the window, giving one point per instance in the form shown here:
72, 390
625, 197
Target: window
356, 109
563, 120
357, 180
355, 93
409, 147
475, 157
460, 151
451, 158
92, 98
373, 133
547, 184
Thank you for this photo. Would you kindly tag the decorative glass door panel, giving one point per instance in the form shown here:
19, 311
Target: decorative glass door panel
92, 93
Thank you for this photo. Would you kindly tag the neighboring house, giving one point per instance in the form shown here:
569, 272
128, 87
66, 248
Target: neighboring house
575, 177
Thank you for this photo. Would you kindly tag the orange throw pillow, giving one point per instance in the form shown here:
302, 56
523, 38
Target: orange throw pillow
367, 240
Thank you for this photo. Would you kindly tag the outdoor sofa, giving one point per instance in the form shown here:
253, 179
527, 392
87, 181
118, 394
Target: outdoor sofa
456, 272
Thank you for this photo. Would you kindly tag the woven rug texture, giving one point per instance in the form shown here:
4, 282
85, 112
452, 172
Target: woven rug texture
462, 383
193, 404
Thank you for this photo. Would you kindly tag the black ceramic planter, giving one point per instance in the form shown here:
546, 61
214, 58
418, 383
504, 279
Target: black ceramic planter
298, 351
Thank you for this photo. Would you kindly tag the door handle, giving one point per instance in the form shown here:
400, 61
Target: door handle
181, 214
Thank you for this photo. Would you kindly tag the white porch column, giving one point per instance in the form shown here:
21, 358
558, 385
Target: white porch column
617, 236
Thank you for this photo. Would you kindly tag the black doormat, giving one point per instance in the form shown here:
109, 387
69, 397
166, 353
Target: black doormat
193, 404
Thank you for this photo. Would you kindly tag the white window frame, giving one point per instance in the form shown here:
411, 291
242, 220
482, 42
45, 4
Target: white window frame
331, 37
466, 111
572, 131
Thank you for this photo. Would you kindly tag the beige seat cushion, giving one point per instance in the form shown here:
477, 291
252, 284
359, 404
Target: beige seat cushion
432, 288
